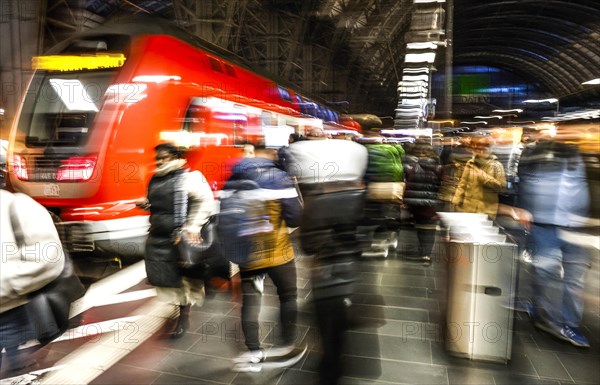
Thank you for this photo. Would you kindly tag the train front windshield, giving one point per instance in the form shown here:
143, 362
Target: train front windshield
59, 108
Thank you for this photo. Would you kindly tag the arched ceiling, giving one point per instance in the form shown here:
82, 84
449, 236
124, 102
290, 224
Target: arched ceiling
351, 52
554, 44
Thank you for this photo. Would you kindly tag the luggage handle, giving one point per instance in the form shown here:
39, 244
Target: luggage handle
493, 291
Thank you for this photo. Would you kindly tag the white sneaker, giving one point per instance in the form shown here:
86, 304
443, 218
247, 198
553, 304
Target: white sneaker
259, 283
247, 367
250, 357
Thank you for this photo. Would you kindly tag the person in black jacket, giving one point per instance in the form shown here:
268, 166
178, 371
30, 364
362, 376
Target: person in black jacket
422, 171
333, 205
172, 191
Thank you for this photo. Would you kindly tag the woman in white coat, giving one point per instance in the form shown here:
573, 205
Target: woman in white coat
32, 257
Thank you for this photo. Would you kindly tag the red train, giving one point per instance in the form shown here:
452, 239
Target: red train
82, 143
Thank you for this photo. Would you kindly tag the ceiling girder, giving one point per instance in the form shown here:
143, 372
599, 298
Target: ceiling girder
354, 49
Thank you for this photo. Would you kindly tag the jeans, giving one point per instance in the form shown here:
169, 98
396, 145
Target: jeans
559, 274
284, 279
15, 329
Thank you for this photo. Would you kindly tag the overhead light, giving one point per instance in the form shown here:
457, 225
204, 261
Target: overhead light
420, 57
549, 100
409, 78
517, 110
422, 45
488, 117
477, 122
429, 1
416, 70
593, 81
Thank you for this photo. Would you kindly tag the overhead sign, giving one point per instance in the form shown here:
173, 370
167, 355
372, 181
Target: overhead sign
77, 62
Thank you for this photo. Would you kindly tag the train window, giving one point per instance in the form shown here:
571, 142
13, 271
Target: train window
311, 107
104, 43
285, 94
215, 64
298, 100
62, 111
230, 71
195, 119
268, 119
321, 112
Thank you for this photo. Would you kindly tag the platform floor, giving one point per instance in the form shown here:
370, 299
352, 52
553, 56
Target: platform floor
406, 349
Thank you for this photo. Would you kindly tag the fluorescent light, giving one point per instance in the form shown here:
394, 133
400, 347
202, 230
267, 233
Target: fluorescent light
517, 110
593, 81
488, 117
420, 57
409, 132
480, 121
422, 45
415, 78
415, 70
549, 100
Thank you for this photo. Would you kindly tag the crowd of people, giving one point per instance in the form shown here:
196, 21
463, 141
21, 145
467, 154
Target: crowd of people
551, 197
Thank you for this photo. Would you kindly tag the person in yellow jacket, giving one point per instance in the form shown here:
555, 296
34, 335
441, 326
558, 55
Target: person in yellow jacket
272, 255
482, 180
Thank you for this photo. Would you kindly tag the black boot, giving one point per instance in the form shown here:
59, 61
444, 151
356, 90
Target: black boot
183, 322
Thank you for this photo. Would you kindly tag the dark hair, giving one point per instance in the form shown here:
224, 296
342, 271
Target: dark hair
260, 144
295, 137
170, 148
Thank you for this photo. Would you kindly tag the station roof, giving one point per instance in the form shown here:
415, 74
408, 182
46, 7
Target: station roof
351, 52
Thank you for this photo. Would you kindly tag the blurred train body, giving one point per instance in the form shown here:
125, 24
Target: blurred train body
82, 143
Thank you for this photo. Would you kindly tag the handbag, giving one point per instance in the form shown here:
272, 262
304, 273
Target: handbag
194, 256
49, 307
200, 260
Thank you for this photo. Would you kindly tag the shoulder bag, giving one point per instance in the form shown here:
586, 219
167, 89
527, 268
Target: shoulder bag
49, 307
202, 260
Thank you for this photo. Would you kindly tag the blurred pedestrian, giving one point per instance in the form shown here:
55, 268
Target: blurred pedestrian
259, 279
481, 181
454, 157
553, 189
272, 255
422, 172
334, 197
178, 200
32, 257
282, 152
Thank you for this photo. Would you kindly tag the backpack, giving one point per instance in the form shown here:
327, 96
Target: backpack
243, 215
385, 163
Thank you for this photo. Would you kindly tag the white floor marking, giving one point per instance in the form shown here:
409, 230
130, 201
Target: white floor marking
115, 338
127, 324
93, 358
111, 285
126, 297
